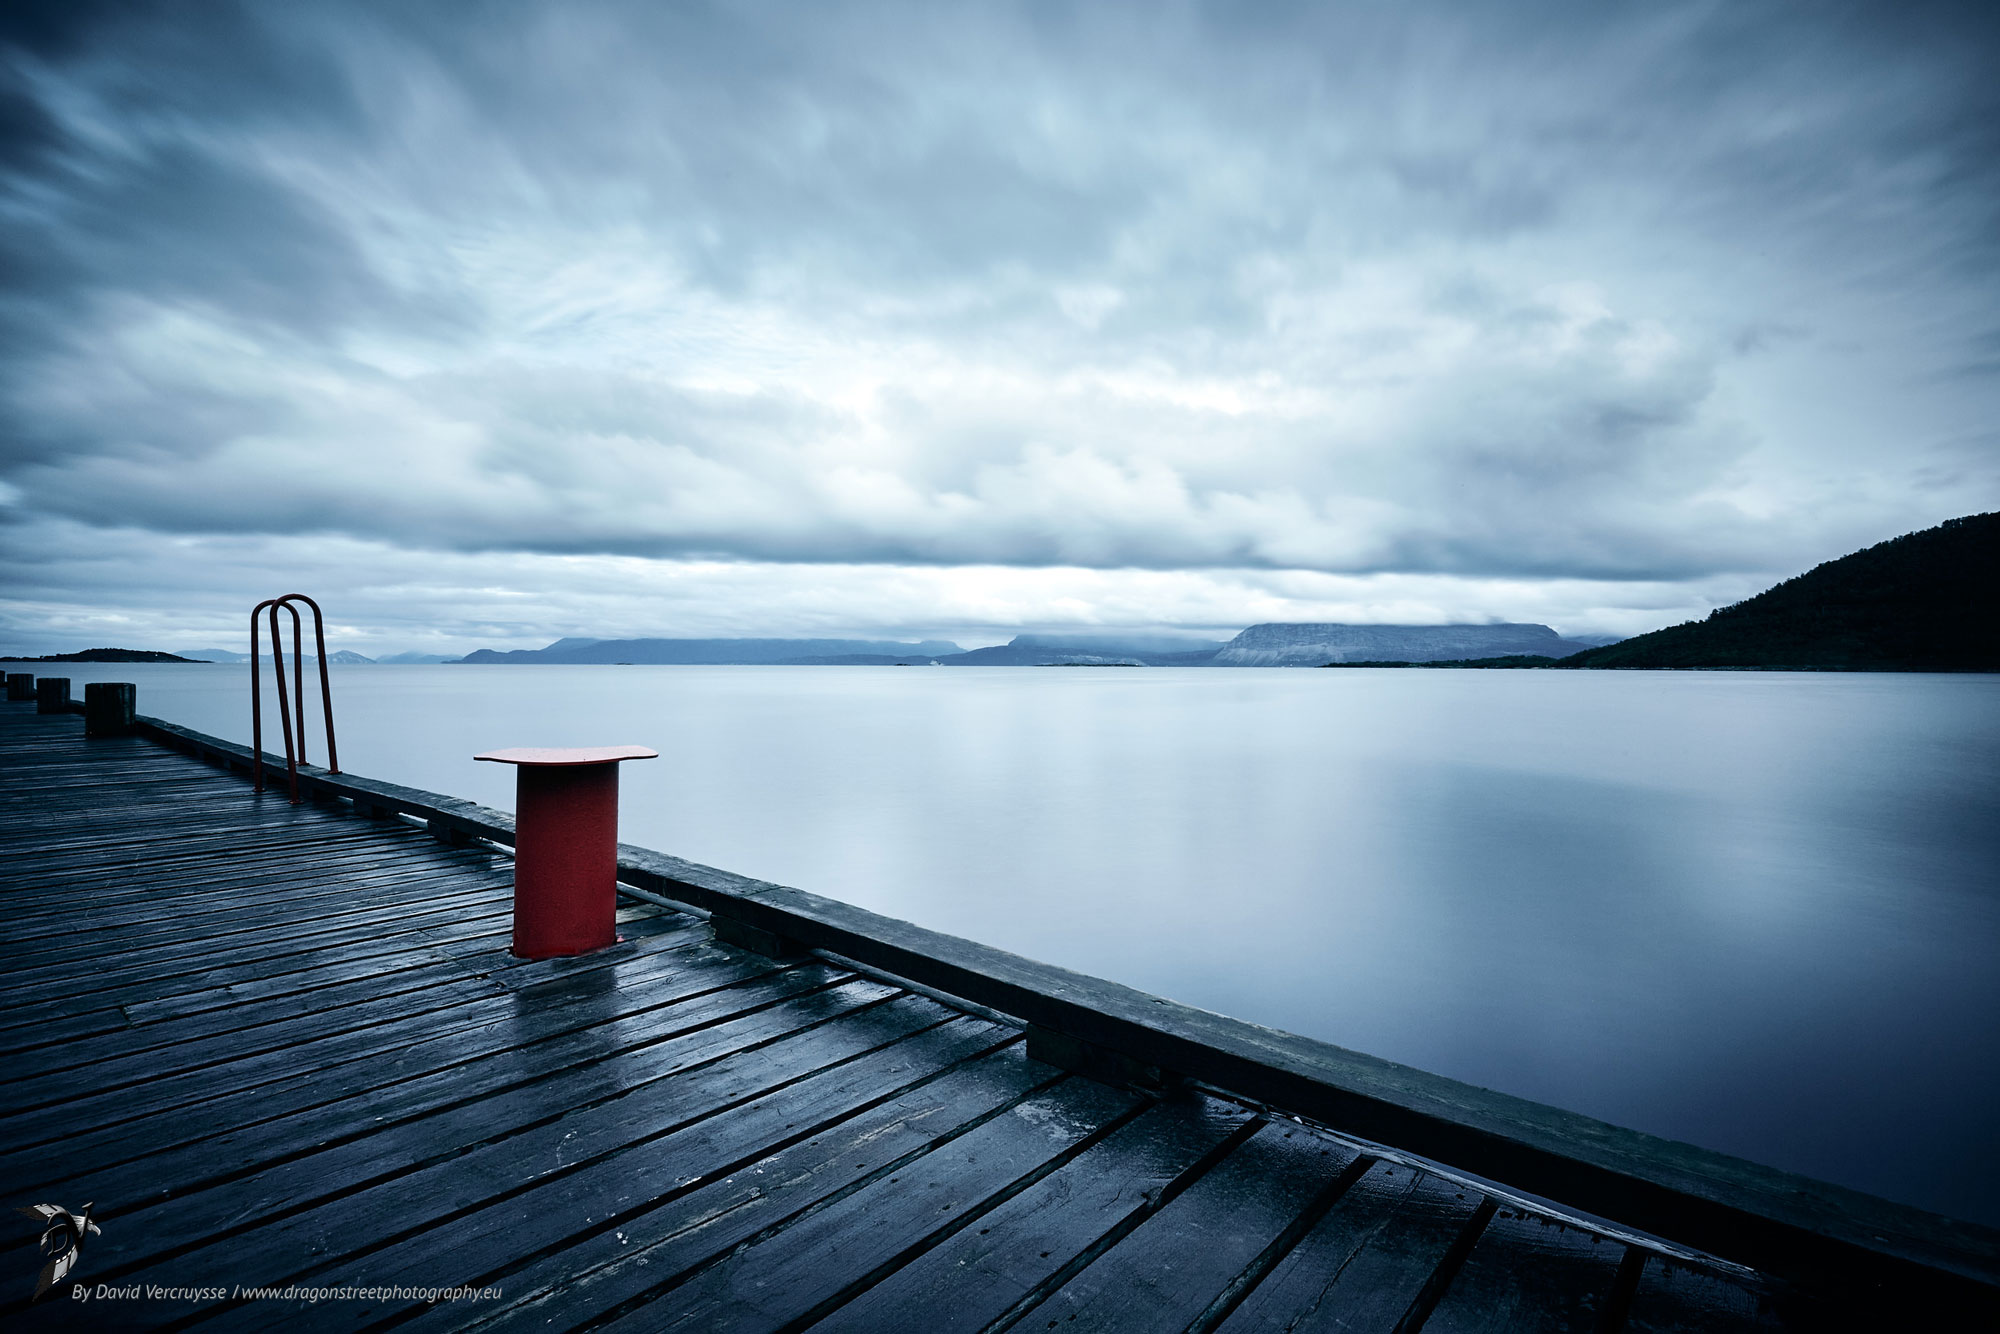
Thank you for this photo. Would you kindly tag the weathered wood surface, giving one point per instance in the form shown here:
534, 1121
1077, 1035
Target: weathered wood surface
1811, 1233
279, 1045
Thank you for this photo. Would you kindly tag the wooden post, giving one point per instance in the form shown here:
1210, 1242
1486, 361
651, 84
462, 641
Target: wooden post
108, 707
52, 694
20, 685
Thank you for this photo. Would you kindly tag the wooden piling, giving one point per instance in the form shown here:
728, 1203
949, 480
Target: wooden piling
52, 694
20, 685
108, 707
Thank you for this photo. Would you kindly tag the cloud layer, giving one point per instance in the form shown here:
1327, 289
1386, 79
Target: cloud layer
1542, 310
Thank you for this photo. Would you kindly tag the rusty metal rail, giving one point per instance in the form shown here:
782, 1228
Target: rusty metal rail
292, 707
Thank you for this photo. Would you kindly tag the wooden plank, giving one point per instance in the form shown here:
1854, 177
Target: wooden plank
218, 881
222, 884
213, 885
970, 1279
1366, 1262
708, 1184
132, 841
1529, 1271
274, 924
78, 977
787, 1274
124, 1069
141, 999
191, 829
52, 968
128, 843
278, 1222
1181, 1261
173, 1044
377, 1076
489, 929
140, 1161
1677, 1298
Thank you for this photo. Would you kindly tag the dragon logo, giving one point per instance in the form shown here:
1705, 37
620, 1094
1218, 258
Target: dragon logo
62, 1240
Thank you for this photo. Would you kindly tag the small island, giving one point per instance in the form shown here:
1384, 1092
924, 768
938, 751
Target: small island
111, 655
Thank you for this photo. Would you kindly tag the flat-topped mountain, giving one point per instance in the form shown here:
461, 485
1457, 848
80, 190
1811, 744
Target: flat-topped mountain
342, 656
1924, 602
1274, 645
1315, 645
1105, 649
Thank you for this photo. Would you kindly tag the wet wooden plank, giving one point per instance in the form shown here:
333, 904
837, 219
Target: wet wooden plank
205, 1039
232, 856
295, 968
199, 989
54, 967
384, 1076
1674, 1298
320, 1144
295, 1215
972, 1278
82, 976
786, 1275
363, 878
1363, 1266
1529, 1271
705, 1186
1182, 1261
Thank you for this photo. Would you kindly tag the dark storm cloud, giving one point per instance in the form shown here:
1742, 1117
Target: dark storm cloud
1535, 291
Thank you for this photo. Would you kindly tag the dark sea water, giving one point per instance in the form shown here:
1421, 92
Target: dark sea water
1755, 911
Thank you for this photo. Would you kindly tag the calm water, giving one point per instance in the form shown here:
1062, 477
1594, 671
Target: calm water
1759, 912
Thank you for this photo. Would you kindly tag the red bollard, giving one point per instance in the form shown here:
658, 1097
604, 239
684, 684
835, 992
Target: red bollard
565, 846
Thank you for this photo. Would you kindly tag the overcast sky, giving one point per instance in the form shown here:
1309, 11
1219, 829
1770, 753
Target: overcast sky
491, 323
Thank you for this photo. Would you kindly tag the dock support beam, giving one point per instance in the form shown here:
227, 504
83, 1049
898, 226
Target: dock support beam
1092, 1061
52, 694
20, 685
448, 834
755, 939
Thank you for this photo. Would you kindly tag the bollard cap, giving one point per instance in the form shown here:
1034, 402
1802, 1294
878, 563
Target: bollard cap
560, 755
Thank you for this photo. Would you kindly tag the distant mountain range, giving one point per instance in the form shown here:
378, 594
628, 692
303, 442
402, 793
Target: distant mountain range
1315, 645
1923, 602
715, 652
344, 657
1112, 650
1259, 646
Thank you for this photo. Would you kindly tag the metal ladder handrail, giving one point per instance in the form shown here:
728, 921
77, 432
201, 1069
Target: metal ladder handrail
294, 706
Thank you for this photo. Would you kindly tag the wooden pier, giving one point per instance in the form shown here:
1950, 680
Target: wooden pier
284, 1047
